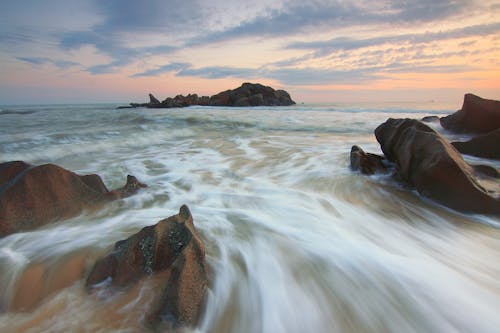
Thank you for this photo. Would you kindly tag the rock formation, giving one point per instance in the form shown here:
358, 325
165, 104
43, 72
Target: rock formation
484, 145
426, 161
249, 94
170, 247
32, 196
478, 115
367, 163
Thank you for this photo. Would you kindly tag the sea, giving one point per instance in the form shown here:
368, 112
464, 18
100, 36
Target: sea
295, 240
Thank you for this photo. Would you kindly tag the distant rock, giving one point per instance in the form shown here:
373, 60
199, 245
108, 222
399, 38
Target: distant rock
478, 115
430, 119
153, 100
171, 248
426, 161
32, 196
249, 94
252, 94
367, 163
484, 145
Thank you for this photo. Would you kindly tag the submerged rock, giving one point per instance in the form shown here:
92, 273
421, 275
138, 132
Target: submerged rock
170, 247
367, 163
249, 94
426, 161
478, 115
430, 119
485, 145
32, 196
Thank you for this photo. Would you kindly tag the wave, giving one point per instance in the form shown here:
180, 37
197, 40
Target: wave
17, 112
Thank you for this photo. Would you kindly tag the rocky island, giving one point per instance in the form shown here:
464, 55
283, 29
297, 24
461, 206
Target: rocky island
248, 94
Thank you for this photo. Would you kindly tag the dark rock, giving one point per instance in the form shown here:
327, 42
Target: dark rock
32, 196
243, 101
485, 170
256, 100
430, 119
485, 145
478, 115
249, 94
153, 100
426, 161
367, 163
220, 99
170, 247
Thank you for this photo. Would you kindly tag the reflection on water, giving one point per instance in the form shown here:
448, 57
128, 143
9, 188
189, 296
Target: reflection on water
295, 241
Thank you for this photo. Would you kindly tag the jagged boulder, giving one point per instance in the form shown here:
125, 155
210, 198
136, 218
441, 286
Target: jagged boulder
172, 248
426, 161
367, 163
32, 196
485, 145
478, 115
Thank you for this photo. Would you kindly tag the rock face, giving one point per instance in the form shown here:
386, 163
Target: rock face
32, 196
485, 145
170, 247
426, 161
249, 94
367, 163
252, 94
478, 115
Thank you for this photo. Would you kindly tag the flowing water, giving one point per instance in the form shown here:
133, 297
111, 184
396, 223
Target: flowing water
295, 241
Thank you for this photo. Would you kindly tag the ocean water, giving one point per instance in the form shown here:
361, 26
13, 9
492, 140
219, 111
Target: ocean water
295, 241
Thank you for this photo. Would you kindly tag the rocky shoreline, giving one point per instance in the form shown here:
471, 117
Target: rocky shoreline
171, 250
248, 94
423, 159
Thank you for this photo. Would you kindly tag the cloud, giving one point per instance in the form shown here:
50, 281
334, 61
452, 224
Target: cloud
311, 16
189, 23
173, 67
37, 61
347, 43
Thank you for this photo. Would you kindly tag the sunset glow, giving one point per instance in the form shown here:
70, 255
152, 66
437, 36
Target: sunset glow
320, 51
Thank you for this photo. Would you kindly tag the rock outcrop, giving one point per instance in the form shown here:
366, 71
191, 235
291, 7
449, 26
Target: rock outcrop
252, 94
32, 196
249, 94
484, 145
426, 161
170, 247
367, 163
478, 115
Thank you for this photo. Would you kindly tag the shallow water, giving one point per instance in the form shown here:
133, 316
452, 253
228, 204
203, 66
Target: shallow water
295, 241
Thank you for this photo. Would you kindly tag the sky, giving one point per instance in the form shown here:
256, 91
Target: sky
82, 51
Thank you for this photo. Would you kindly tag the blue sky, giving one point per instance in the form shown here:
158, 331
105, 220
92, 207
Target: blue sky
106, 51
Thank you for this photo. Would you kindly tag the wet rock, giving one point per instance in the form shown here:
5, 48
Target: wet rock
249, 94
367, 163
170, 247
485, 145
478, 115
430, 119
426, 161
32, 196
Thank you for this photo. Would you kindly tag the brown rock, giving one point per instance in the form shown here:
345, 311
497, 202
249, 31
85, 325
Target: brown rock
425, 160
248, 94
478, 115
366, 163
485, 145
153, 100
170, 247
32, 196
